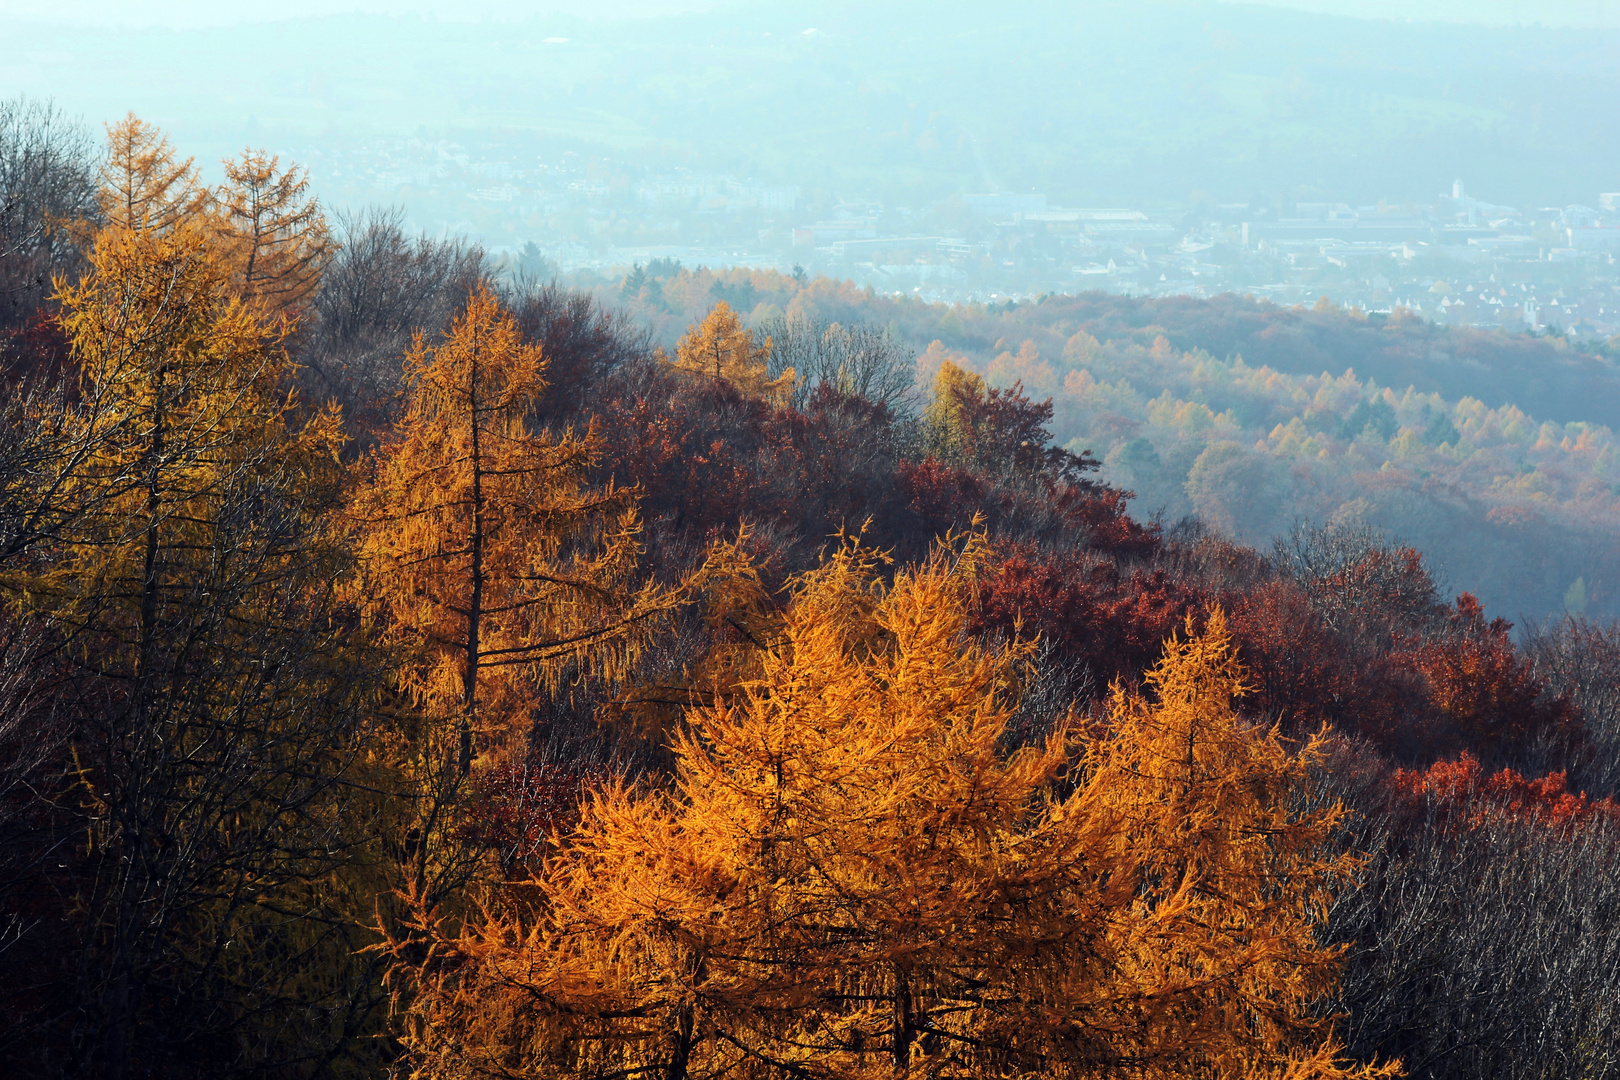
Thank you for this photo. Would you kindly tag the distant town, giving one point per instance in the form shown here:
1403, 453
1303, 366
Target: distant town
1458, 259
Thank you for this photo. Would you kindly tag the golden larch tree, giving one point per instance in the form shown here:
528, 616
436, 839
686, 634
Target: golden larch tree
193, 586
854, 876
487, 555
278, 239
185, 392
948, 427
143, 185
1235, 872
722, 348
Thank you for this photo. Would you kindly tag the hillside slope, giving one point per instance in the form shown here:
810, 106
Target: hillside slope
1493, 453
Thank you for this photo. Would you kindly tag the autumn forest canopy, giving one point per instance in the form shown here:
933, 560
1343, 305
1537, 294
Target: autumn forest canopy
411, 668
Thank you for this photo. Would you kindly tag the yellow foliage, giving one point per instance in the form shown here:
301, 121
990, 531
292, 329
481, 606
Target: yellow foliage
946, 414
854, 875
183, 400
191, 577
1026, 367
266, 229
277, 237
1081, 349
142, 184
1408, 445
486, 551
723, 349
1192, 417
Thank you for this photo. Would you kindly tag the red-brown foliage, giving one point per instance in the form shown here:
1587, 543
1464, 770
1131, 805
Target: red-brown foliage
1295, 662
708, 457
1305, 672
37, 352
1097, 513
1487, 693
942, 496
516, 809
1002, 430
1112, 620
1471, 797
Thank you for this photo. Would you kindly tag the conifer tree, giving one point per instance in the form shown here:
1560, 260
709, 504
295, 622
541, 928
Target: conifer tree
1000, 432
143, 184
279, 241
948, 425
854, 876
141, 187
489, 559
723, 349
1234, 872
193, 586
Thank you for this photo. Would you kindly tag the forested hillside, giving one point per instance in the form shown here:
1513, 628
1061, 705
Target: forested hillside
1494, 454
410, 672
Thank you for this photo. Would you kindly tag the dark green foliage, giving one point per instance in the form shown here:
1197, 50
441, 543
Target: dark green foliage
1440, 430
1377, 416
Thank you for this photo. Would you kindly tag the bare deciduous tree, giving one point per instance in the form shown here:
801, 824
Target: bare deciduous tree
380, 287
1482, 945
861, 359
583, 343
47, 181
1582, 658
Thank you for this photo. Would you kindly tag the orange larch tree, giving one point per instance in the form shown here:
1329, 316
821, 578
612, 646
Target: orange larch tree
488, 557
143, 183
278, 239
722, 348
1235, 872
855, 876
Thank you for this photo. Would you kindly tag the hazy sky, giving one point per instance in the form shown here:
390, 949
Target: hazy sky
192, 13
1088, 100
195, 13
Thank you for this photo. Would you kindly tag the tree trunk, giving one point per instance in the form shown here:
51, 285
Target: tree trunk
680, 1058
901, 1032
121, 999
475, 606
